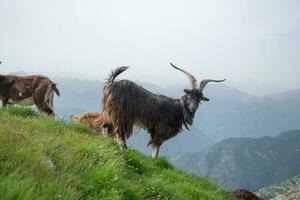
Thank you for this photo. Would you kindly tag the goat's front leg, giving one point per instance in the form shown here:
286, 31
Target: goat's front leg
155, 150
5, 102
104, 131
121, 140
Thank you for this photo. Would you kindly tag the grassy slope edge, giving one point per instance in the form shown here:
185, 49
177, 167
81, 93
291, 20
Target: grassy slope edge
45, 158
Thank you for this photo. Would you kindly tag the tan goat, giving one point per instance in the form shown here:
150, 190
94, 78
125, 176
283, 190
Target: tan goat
98, 121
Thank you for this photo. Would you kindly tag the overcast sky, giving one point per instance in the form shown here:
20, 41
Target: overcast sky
256, 39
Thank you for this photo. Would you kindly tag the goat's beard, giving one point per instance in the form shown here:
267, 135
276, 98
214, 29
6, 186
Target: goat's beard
188, 119
186, 126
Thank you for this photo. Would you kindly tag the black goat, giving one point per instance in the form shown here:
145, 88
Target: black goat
129, 104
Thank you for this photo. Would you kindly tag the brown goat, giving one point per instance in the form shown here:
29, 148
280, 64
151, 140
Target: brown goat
28, 90
241, 194
98, 121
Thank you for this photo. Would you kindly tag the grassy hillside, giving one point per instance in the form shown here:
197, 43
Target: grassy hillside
44, 158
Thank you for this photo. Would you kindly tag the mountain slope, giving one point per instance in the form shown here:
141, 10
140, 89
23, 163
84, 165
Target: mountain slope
247, 163
288, 189
44, 158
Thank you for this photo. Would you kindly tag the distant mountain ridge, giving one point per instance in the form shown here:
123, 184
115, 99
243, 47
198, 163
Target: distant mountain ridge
246, 162
229, 113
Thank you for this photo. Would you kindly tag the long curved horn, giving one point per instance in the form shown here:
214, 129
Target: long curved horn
205, 81
190, 76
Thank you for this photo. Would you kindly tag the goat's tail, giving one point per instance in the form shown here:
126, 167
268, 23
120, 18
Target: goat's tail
116, 73
53, 85
106, 98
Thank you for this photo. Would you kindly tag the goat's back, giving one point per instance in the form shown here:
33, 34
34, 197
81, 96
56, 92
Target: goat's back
129, 103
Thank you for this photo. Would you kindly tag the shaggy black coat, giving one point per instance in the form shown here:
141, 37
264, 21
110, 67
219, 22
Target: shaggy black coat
129, 104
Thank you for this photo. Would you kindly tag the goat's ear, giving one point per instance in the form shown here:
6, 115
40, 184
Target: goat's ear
187, 91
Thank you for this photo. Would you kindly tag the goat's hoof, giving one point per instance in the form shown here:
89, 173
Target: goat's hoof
123, 147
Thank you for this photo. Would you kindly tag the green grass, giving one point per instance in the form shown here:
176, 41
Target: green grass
45, 158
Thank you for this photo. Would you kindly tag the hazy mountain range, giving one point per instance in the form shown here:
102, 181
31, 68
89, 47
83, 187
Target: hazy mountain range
247, 162
255, 87
229, 113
